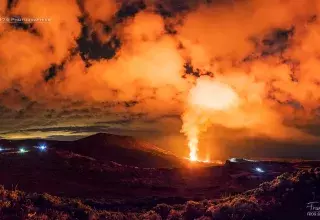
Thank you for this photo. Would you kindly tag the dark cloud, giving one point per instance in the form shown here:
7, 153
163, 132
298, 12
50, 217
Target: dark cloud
65, 137
129, 9
52, 72
11, 3
91, 47
115, 122
163, 117
71, 129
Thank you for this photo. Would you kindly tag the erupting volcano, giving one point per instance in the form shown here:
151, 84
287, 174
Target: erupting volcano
206, 98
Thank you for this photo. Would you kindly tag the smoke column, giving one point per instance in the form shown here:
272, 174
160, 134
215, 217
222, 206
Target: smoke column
205, 99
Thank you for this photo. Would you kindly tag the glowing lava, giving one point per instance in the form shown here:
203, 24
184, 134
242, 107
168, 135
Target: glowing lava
207, 97
193, 147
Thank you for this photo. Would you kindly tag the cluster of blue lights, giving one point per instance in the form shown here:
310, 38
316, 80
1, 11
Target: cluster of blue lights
41, 147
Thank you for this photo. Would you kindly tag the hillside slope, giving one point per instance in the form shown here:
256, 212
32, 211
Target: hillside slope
106, 148
122, 149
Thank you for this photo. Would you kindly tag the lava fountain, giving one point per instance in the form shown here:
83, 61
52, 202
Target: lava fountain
205, 98
193, 147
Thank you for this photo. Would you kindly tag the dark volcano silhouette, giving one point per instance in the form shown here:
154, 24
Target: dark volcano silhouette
122, 149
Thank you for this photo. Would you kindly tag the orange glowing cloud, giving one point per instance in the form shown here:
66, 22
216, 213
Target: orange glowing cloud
25, 55
3, 7
100, 10
264, 68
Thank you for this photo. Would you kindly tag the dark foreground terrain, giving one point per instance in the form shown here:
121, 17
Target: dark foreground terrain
113, 177
285, 197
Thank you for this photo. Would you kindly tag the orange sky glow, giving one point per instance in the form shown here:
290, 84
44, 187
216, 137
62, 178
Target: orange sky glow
210, 69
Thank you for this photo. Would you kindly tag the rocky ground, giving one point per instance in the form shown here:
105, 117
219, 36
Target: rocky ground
285, 197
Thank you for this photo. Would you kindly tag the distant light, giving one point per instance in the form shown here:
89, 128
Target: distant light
42, 147
233, 160
1, 149
22, 150
250, 160
258, 169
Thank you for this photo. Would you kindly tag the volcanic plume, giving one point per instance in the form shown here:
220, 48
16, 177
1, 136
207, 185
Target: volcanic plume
205, 99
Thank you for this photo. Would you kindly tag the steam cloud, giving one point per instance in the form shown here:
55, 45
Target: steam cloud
206, 99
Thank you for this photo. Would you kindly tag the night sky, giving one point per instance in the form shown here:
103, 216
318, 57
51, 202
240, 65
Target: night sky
127, 66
